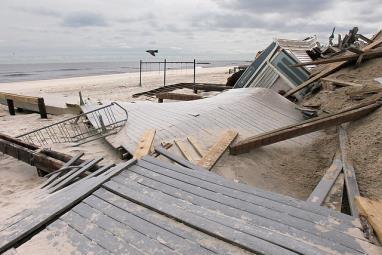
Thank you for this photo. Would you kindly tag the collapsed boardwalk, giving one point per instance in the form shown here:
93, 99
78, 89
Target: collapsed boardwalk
149, 206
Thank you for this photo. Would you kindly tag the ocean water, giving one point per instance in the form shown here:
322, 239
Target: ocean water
31, 72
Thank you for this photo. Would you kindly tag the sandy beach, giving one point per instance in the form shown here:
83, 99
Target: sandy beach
17, 178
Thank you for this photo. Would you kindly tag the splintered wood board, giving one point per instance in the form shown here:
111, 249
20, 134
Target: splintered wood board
145, 144
216, 151
372, 210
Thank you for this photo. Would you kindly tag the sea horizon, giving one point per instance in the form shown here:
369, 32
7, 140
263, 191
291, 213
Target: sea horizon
16, 72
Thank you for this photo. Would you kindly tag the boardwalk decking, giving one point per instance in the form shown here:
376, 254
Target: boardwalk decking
154, 207
250, 111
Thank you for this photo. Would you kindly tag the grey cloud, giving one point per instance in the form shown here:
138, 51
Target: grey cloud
40, 11
84, 19
276, 6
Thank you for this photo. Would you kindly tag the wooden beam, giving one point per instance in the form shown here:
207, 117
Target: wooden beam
184, 150
341, 82
330, 69
216, 151
350, 179
19, 98
323, 188
348, 57
208, 87
304, 127
355, 50
145, 144
372, 211
364, 38
177, 96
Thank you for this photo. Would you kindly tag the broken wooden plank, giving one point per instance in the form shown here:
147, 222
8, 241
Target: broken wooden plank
184, 150
177, 159
350, 179
330, 69
145, 144
349, 57
341, 82
323, 188
372, 211
355, 50
334, 199
304, 127
11, 98
196, 146
176, 96
217, 150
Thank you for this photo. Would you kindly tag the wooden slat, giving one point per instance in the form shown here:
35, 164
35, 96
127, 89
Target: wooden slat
217, 150
372, 211
184, 150
196, 146
305, 127
330, 69
349, 172
323, 188
177, 159
145, 144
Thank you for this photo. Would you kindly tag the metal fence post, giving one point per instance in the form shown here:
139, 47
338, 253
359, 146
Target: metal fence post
140, 73
195, 91
164, 72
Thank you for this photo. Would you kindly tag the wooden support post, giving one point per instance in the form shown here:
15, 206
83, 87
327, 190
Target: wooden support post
160, 100
42, 108
372, 211
195, 90
216, 151
304, 127
145, 144
11, 107
140, 73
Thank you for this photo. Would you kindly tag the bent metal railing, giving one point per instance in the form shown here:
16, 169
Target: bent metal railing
86, 127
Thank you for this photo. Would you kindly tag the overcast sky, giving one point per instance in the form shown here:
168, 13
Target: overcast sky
79, 30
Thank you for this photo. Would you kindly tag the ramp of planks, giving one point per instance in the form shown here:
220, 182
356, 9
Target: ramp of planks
154, 207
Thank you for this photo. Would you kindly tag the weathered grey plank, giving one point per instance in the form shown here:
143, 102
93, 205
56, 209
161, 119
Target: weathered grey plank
56, 175
180, 237
121, 230
256, 200
323, 188
63, 179
66, 180
214, 179
310, 234
234, 236
104, 238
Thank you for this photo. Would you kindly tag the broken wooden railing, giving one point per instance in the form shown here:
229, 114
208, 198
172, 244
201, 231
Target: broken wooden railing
45, 160
12, 98
105, 121
305, 127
